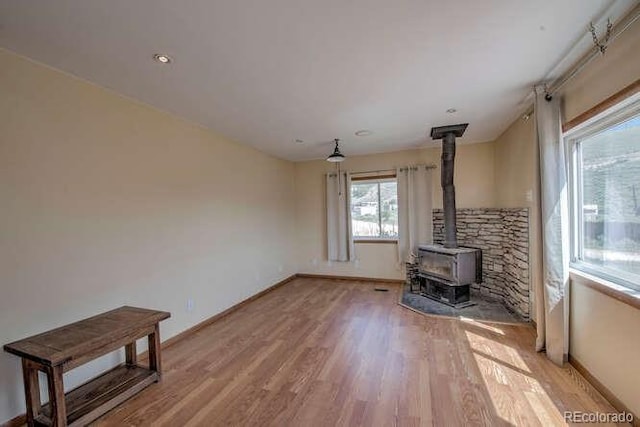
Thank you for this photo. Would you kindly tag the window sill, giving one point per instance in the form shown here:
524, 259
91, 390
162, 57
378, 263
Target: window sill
384, 241
621, 293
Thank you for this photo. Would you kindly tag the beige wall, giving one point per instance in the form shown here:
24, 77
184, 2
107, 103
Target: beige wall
106, 202
516, 165
517, 185
605, 338
474, 180
605, 335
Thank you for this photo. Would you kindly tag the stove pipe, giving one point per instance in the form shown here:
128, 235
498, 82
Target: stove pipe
448, 135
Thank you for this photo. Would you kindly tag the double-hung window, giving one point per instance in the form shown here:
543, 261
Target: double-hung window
605, 194
374, 208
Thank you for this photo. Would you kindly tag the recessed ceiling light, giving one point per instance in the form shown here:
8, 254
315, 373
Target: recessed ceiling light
163, 59
452, 110
364, 132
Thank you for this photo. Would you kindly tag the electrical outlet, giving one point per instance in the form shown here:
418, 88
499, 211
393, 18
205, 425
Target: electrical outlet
314, 262
280, 269
190, 305
529, 195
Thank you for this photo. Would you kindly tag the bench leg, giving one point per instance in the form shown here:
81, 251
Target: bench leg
131, 354
154, 351
56, 396
31, 390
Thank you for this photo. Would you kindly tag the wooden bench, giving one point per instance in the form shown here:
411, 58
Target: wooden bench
65, 348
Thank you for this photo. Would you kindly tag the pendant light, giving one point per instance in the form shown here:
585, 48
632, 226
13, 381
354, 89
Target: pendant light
336, 156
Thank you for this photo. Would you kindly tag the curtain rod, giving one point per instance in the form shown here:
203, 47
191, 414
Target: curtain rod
431, 166
378, 171
419, 166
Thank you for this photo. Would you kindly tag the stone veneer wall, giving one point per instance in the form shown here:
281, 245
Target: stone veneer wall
503, 236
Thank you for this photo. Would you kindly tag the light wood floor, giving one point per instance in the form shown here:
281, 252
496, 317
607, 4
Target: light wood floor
318, 352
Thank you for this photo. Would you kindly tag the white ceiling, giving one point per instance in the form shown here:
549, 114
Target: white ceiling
265, 73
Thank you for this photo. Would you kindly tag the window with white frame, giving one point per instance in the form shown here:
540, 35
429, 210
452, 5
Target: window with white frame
605, 192
374, 208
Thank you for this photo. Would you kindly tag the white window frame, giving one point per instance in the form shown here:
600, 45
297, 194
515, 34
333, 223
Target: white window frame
611, 117
374, 180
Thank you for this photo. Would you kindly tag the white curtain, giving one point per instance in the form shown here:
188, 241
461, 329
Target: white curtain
552, 296
415, 211
339, 235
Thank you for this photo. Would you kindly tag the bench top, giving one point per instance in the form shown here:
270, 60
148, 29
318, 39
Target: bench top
72, 341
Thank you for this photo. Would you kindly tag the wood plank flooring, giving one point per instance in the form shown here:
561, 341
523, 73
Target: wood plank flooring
337, 353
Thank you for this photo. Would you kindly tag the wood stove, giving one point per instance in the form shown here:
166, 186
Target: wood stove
448, 271
446, 274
